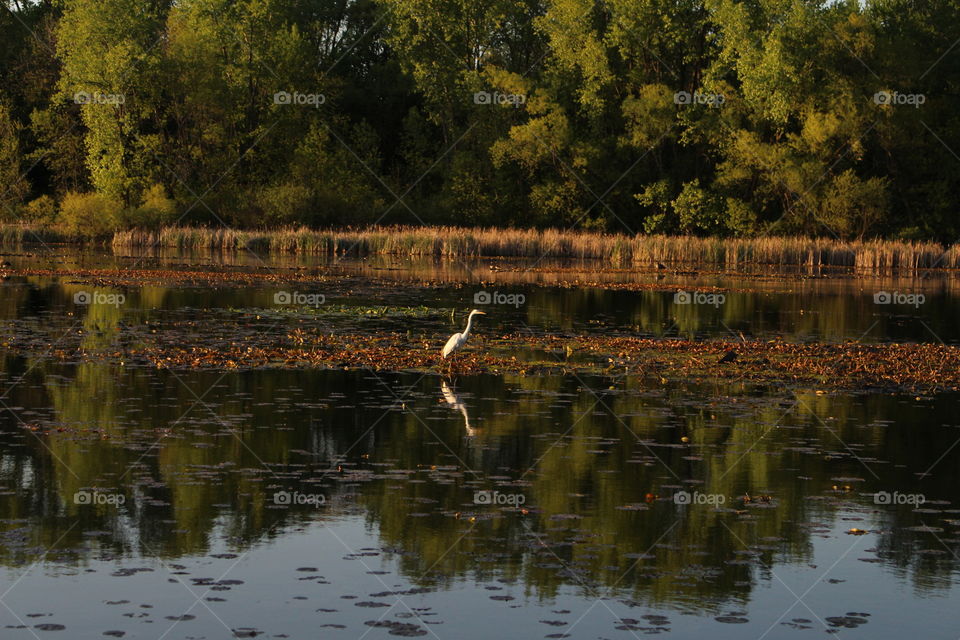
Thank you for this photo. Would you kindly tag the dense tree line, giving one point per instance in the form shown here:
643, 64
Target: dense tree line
732, 117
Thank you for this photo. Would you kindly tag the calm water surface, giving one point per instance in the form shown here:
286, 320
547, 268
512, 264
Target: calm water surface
151, 503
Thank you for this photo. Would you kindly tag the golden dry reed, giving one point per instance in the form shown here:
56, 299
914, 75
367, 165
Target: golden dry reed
616, 249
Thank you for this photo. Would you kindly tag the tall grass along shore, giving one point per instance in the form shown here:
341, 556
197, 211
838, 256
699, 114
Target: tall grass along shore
614, 249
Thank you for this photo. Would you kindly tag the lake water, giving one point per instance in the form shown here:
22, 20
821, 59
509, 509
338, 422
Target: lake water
149, 502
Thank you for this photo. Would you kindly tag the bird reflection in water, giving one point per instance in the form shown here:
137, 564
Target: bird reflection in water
453, 399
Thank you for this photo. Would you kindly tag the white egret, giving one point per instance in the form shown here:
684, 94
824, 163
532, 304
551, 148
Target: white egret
457, 340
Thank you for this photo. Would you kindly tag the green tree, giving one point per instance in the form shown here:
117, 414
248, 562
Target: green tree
13, 185
111, 67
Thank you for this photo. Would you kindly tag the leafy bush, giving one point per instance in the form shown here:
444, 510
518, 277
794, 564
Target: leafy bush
852, 207
656, 199
285, 203
740, 219
155, 210
698, 210
41, 211
90, 215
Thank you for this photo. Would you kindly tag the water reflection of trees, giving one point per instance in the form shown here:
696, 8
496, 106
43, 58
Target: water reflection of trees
831, 309
831, 315
596, 497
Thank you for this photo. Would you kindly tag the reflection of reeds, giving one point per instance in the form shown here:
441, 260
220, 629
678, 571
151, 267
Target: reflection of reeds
874, 255
17, 234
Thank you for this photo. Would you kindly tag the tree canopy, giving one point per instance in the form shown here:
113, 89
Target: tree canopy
723, 117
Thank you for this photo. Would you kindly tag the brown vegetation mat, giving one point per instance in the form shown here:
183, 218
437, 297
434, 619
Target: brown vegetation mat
851, 365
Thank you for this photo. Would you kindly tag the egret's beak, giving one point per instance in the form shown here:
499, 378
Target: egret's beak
481, 313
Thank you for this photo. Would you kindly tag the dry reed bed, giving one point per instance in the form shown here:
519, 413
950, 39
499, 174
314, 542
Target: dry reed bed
18, 234
876, 255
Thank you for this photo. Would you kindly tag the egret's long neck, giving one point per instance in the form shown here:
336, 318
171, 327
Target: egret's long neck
466, 331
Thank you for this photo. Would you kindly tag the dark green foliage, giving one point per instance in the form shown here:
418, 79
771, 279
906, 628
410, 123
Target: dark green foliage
706, 117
